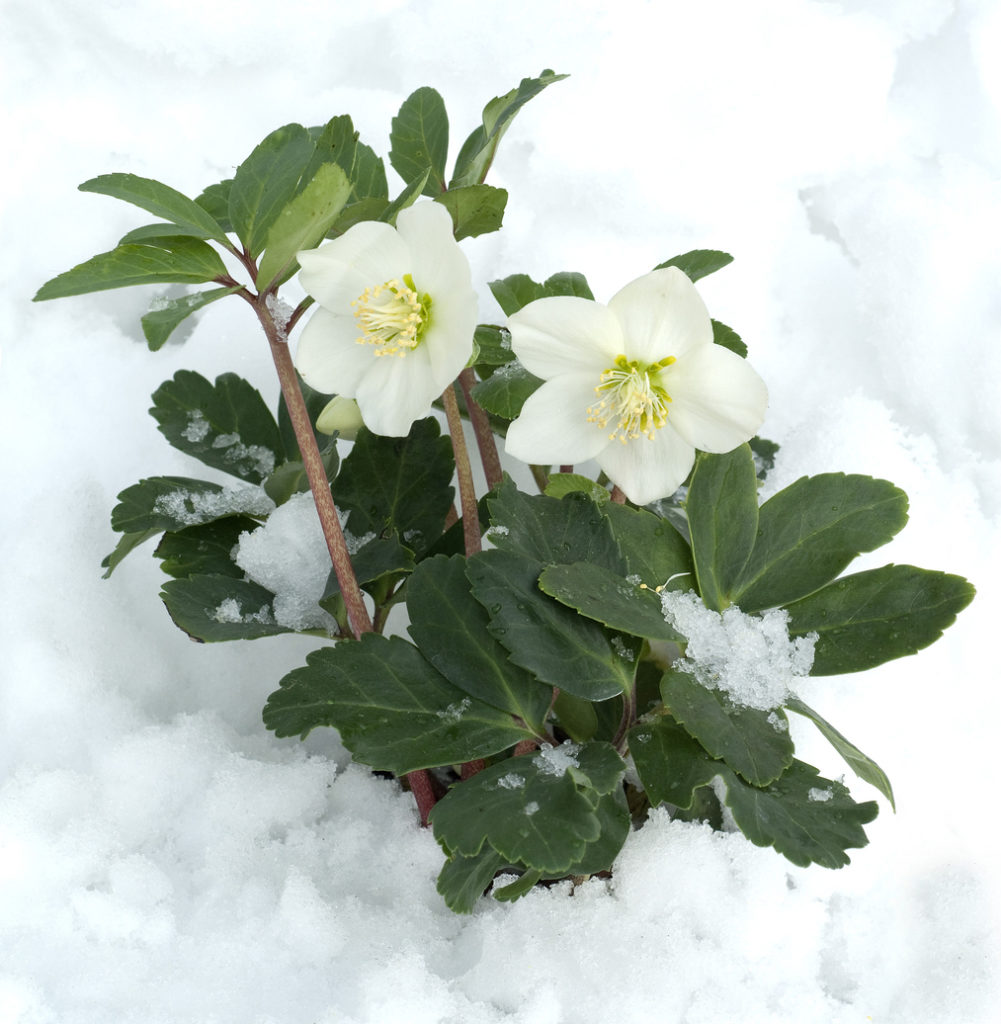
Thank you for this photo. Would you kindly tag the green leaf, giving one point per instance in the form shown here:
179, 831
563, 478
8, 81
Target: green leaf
728, 338
616, 824
475, 209
576, 716
398, 483
515, 291
174, 502
653, 548
755, 744
394, 711
807, 818
410, 194
871, 617
302, 224
764, 455
419, 139
215, 201
477, 152
552, 530
205, 550
226, 425
568, 282
125, 546
450, 628
154, 232
522, 887
291, 478
861, 764
374, 559
165, 314
596, 767
174, 260
216, 608
559, 646
337, 142
671, 765
493, 345
506, 390
265, 183
560, 485
698, 263
316, 402
160, 200
722, 508
811, 530
608, 598
525, 808
463, 880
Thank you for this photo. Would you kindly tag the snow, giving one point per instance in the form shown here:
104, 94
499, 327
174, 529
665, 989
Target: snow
751, 658
163, 858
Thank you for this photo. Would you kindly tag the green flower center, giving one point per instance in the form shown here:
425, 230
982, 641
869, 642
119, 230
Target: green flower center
632, 397
393, 316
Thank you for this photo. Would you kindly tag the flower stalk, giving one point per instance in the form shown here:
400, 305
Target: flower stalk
484, 432
464, 471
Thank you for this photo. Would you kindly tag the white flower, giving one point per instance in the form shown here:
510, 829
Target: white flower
637, 385
396, 316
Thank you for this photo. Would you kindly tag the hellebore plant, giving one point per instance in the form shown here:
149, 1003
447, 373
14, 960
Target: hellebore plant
627, 639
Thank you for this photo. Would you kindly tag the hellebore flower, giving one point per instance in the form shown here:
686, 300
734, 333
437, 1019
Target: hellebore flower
396, 316
637, 385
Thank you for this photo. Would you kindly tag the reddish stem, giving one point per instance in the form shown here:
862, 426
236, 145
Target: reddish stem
467, 493
484, 432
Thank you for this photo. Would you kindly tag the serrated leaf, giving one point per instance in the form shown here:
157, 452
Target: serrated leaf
811, 530
419, 139
398, 483
205, 550
616, 824
515, 291
868, 618
174, 260
567, 282
728, 338
608, 598
652, 547
165, 314
226, 425
337, 142
216, 608
394, 711
526, 811
559, 646
450, 628
474, 209
478, 150
597, 768
698, 263
175, 502
302, 224
722, 509
755, 744
807, 818
671, 764
506, 390
552, 530
861, 764
463, 880
265, 183
160, 200
125, 546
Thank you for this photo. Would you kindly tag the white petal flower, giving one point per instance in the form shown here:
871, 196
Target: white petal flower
637, 384
396, 316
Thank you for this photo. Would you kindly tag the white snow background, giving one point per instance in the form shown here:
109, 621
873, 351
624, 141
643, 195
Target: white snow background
163, 858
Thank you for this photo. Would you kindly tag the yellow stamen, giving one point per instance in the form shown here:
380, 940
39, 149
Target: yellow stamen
392, 316
632, 394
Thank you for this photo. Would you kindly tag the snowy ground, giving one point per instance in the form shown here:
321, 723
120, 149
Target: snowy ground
162, 857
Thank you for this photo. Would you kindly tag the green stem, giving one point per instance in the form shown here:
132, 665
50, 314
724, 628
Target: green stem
358, 615
467, 493
484, 432
541, 476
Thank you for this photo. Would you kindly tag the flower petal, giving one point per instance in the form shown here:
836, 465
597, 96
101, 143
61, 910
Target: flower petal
329, 356
717, 400
396, 391
368, 254
661, 315
438, 264
646, 469
553, 427
563, 334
